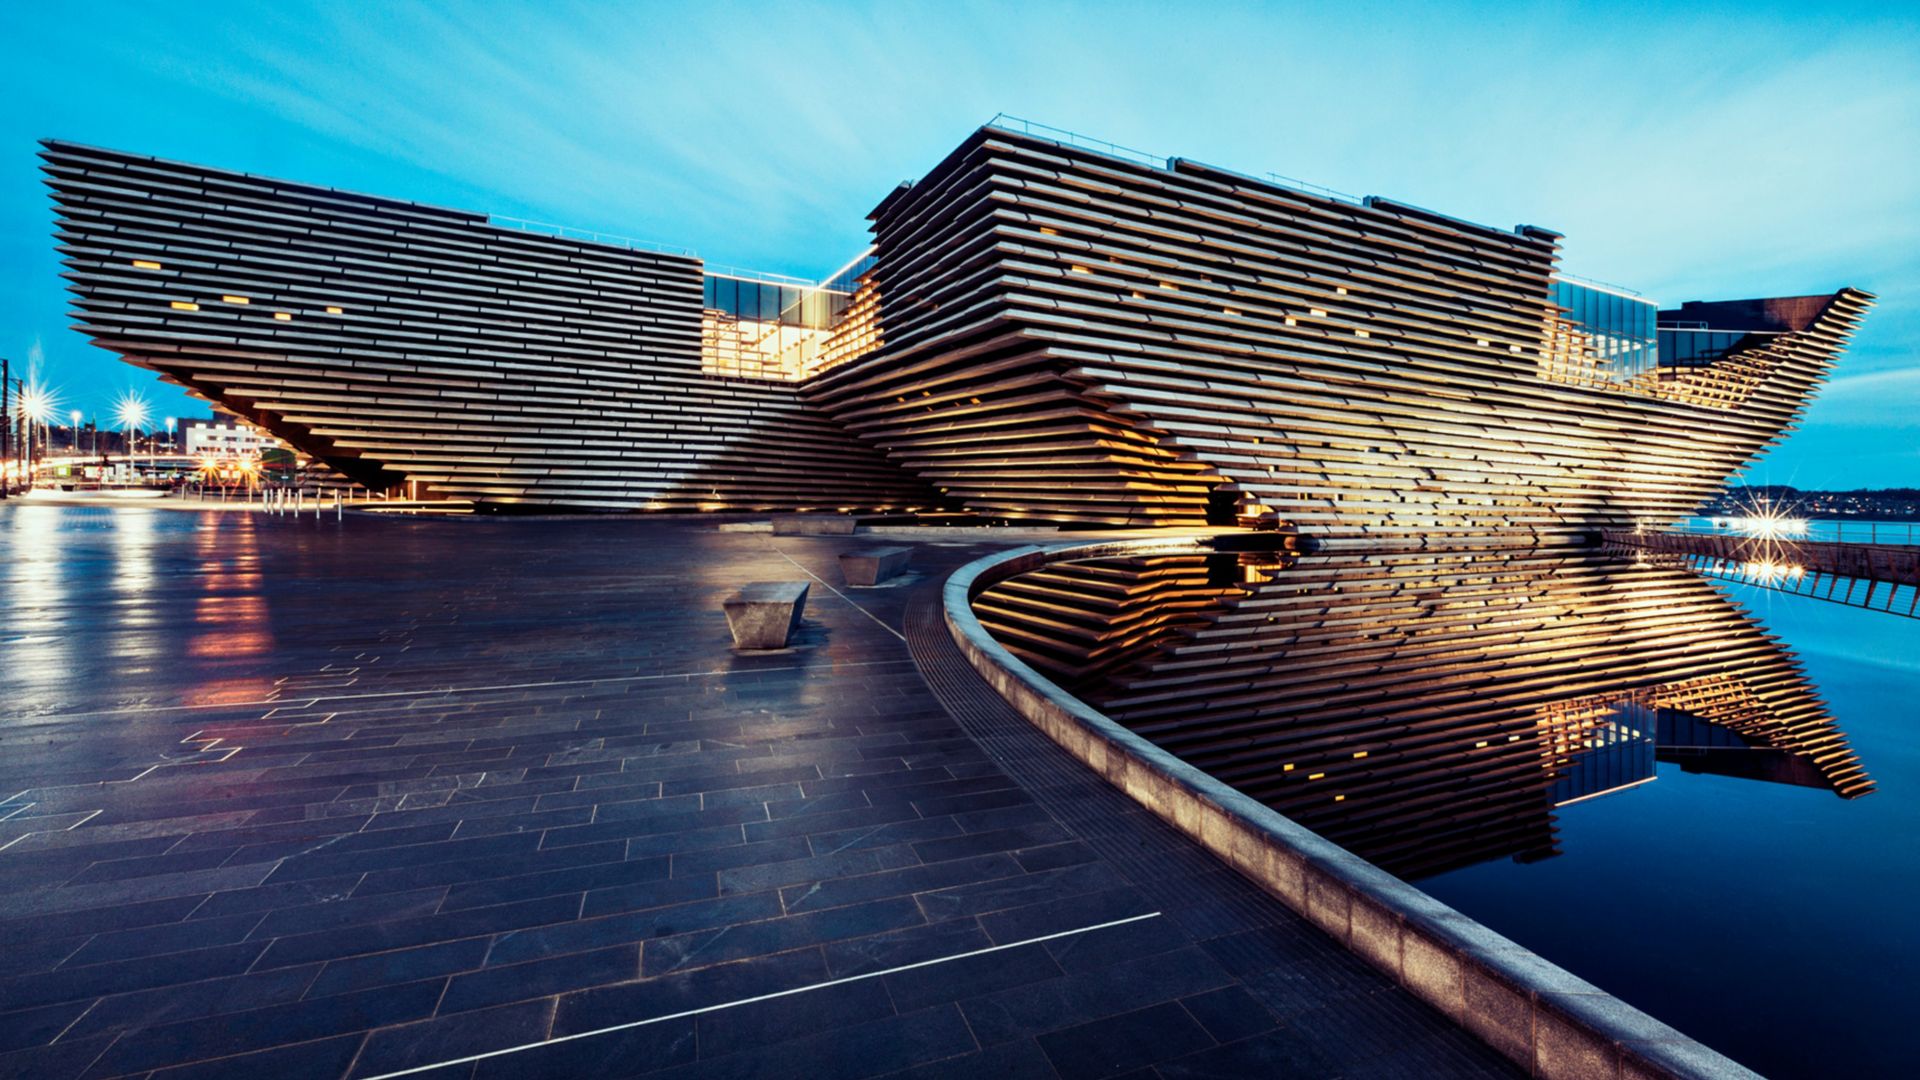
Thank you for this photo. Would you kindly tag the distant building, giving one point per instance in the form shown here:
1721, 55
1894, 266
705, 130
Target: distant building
223, 436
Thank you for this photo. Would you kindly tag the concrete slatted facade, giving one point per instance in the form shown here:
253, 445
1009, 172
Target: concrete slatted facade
1075, 336
402, 343
1048, 333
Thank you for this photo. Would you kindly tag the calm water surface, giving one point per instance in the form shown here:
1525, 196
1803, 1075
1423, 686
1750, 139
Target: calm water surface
1505, 729
1779, 924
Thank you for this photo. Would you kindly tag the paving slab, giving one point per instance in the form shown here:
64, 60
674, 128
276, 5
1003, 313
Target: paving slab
498, 797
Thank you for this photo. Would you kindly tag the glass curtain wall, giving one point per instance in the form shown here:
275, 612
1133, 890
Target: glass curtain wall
760, 329
1611, 335
1691, 346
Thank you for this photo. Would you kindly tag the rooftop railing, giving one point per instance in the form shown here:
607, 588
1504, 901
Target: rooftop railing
1158, 161
1074, 138
1308, 187
1596, 283
568, 232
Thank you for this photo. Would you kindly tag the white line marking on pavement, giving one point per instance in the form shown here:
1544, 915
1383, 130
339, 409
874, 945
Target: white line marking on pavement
763, 997
842, 596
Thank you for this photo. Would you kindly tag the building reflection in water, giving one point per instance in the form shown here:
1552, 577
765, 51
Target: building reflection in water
36, 579
1427, 710
230, 613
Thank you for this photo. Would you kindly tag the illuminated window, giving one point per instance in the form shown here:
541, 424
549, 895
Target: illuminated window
1286, 768
1169, 286
283, 316
1341, 289
1078, 269
182, 305
1339, 798
144, 264
235, 299
1361, 333
1317, 313
1232, 312
335, 311
1049, 231
1291, 321
1359, 754
1316, 776
1483, 343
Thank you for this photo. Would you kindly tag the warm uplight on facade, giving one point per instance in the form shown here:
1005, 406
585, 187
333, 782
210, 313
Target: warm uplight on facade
182, 305
144, 264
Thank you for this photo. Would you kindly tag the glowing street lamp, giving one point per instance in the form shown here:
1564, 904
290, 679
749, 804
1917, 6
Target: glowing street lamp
130, 412
171, 422
37, 405
73, 417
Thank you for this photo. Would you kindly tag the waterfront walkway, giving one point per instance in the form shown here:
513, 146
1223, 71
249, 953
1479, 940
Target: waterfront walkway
1881, 577
483, 798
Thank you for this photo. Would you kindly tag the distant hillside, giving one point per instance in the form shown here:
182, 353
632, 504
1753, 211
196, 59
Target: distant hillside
1866, 504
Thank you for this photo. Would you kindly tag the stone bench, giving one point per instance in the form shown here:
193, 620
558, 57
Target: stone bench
762, 615
873, 565
814, 525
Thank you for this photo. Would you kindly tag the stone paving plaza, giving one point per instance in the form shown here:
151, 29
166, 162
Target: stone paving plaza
479, 798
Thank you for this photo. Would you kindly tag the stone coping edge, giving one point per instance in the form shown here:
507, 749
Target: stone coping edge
1544, 1018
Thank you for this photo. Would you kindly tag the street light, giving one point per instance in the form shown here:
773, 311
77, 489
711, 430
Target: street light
130, 412
37, 404
74, 417
170, 425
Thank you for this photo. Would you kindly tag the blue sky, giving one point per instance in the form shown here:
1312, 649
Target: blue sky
1688, 150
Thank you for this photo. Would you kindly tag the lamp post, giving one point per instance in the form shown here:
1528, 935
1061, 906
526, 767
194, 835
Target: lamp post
73, 417
36, 408
131, 413
6, 427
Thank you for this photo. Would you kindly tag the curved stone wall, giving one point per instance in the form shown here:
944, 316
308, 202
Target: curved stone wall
1546, 1019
